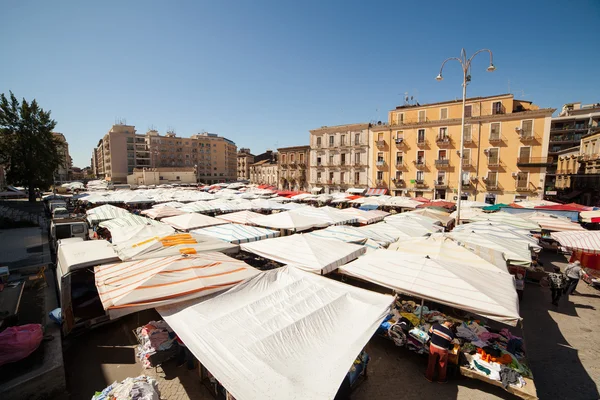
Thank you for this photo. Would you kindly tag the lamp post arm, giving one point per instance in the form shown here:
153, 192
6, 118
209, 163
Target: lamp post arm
481, 51
451, 58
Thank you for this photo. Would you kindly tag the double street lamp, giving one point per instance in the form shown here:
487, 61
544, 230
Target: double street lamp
466, 67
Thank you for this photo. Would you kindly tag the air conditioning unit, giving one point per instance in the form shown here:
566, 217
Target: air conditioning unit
514, 174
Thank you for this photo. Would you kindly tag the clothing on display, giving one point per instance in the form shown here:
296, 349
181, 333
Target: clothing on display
139, 388
157, 345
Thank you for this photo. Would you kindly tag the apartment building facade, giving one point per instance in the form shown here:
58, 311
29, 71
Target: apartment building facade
340, 158
294, 162
417, 153
567, 166
566, 131
63, 172
244, 160
122, 149
264, 172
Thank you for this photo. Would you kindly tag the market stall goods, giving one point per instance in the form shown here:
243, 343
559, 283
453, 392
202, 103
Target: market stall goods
18, 342
156, 343
139, 388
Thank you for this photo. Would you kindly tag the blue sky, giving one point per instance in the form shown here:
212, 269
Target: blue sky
263, 73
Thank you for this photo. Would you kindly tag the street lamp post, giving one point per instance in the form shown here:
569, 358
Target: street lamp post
466, 67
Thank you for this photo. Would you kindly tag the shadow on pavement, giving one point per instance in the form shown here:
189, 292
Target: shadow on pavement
557, 368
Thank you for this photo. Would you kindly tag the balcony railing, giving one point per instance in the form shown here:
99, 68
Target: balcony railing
493, 162
320, 164
443, 141
380, 163
468, 140
399, 141
522, 186
495, 137
422, 143
420, 183
440, 184
498, 109
526, 137
490, 185
419, 164
400, 164
442, 163
534, 161
358, 163
398, 182
380, 143
466, 163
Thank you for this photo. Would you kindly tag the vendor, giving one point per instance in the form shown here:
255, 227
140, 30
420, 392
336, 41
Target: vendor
573, 273
441, 342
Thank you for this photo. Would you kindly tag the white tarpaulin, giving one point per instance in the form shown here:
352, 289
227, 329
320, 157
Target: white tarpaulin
127, 220
307, 252
139, 232
486, 293
237, 233
383, 233
515, 254
133, 286
363, 217
284, 334
329, 215
186, 222
509, 219
588, 241
162, 212
550, 222
104, 213
240, 217
287, 220
508, 233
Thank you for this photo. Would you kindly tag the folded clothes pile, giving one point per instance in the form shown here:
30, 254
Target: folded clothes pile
154, 337
139, 388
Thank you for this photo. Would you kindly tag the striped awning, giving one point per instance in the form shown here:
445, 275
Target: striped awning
588, 241
376, 192
128, 220
237, 233
133, 286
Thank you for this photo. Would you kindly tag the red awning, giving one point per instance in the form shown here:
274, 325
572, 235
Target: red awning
353, 197
421, 199
440, 203
515, 205
285, 193
376, 192
566, 207
595, 219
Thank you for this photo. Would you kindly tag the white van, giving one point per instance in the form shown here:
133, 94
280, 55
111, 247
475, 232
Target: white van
79, 301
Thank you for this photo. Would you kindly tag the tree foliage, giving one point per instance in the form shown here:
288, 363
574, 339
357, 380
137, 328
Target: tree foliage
28, 148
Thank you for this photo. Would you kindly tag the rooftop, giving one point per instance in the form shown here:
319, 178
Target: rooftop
507, 95
294, 148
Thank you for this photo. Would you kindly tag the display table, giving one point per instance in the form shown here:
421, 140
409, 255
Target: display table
527, 392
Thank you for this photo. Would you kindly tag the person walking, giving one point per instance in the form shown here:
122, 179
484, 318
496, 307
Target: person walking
573, 273
558, 283
441, 342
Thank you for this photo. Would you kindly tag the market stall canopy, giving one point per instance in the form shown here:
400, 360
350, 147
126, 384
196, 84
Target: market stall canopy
402, 202
467, 214
284, 334
440, 247
307, 252
171, 245
128, 287
139, 232
78, 255
413, 225
481, 244
486, 293
363, 217
588, 241
288, 220
348, 234
356, 190
383, 233
237, 233
496, 207
104, 213
509, 233
139, 199
441, 216
329, 215
198, 207
376, 192
509, 219
240, 217
186, 222
97, 198
532, 203
442, 204
163, 212
127, 220
174, 204
554, 223
566, 207
590, 216
472, 204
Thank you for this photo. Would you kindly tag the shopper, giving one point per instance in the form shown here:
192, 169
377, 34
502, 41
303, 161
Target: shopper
573, 273
558, 283
441, 343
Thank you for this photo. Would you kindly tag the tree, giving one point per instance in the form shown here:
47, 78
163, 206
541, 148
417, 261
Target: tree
28, 148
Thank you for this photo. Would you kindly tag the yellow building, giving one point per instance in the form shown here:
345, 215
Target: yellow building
505, 150
567, 165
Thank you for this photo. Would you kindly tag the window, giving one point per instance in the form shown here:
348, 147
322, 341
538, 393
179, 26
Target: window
318, 177
465, 178
380, 157
379, 175
331, 159
421, 136
342, 140
331, 177
492, 178
497, 108
357, 158
292, 158
527, 128
331, 141
467, 134
468, 111
524, 154
442, 154
443, 135
420, 157
422, 116
319, 141
400, 118
466, 157
441, 177
495, 131
318, 161
343, 159
494, 156
301, 158
399, 158
342, 176
443, 113
398, 175
420, 176
399, 136
357, 177
380, 137
522, 180
357, 138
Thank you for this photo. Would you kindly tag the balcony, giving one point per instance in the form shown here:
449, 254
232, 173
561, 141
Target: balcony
422, 143
380, 163
534, 161
443, 141
344, 144
419, 164
399, 142
565, 139
400, 164
442, 163
522, 187
527, 137
380, 182
490, 185
467, 140
494, 162
398, 182
302, 164
420, 183
495, 138
330, 182
498, 109
440, 184
466, 164
320, 165
380, 143
319, 145
344, 165
358, 164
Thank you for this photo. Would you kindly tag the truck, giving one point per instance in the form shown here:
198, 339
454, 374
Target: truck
63, 228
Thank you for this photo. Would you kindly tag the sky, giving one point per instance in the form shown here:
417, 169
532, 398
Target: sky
264, 72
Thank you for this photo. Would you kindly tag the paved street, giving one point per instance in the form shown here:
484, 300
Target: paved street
563, 355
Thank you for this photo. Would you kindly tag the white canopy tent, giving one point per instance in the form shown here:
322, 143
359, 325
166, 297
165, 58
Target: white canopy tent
288, 220
237, 233
105, 213
330, 215
486, 293
555, 223
586, 216
509, 219
186, 222
139, 232
588, 241
413, 225
363, 217
507, 233
174, 204
163, 212
515, 254
284, 334
348, 234
383, 233
128, 287
240, 217
433, 214
402, 202
306, 252
127, 220
440, 247
199, 207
